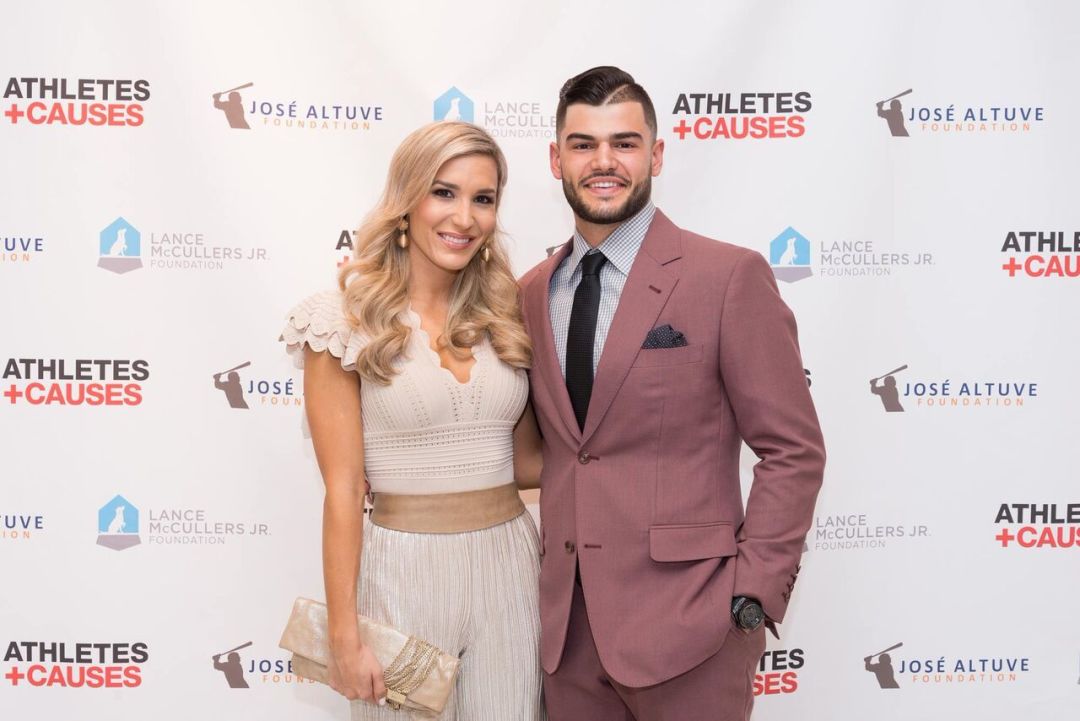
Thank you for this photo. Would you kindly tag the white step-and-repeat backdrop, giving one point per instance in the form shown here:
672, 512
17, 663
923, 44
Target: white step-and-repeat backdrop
177, 175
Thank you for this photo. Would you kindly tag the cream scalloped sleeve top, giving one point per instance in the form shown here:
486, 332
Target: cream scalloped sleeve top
424, 432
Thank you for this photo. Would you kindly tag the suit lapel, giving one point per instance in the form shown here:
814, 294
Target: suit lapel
545, 359
647, 289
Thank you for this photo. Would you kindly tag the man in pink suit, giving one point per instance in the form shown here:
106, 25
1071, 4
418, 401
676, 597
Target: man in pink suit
657, 352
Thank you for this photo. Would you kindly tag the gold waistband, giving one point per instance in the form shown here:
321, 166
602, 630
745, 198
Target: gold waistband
447, 512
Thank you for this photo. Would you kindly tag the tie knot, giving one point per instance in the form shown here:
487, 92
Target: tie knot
592, 262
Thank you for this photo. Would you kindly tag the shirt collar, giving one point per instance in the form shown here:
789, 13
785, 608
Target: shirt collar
621, 247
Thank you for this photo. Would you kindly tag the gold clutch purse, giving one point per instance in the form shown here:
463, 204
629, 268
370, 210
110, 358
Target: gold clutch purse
418, 675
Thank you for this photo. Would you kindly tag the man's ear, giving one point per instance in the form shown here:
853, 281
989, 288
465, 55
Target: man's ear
657, 157
556, 161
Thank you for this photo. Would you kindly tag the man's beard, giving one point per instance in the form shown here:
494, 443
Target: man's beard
639, 197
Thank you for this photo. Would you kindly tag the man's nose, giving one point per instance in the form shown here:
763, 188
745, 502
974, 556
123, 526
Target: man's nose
603, 158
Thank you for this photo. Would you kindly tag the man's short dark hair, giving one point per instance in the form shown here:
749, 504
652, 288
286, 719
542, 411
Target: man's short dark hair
601, 86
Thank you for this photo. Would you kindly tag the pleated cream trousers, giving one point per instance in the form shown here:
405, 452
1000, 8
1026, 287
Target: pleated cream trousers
473, 594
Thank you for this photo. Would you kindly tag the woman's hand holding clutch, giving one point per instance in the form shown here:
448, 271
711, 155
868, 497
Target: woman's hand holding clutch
355, 673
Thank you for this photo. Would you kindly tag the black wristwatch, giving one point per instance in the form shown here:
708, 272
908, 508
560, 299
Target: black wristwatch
747, 612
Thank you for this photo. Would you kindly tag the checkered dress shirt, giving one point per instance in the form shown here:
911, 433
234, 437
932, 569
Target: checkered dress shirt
620, 248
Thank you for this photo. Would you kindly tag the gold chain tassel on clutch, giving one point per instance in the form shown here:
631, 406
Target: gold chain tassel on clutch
408, 669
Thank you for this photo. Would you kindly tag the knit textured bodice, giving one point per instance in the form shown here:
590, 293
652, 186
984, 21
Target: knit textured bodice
425, 432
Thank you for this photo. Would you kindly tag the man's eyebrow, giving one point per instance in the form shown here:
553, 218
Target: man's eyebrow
627, 135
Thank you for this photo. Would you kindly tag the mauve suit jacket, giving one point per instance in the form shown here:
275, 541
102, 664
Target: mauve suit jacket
647, 499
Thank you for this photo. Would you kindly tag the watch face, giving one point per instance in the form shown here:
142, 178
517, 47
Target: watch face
751, 616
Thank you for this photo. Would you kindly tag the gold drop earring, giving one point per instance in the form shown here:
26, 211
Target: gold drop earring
485, 253
403, 240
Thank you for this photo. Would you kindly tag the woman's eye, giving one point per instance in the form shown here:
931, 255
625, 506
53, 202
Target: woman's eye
486, 199
443, 193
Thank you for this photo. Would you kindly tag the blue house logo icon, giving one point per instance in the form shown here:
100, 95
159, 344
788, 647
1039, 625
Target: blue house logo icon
118, 524
789, 256
120, 247
454, 105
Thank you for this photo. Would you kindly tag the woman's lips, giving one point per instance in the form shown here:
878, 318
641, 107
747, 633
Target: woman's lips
455, 241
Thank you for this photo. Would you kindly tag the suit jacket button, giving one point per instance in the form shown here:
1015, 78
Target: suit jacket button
570, 548
584, 457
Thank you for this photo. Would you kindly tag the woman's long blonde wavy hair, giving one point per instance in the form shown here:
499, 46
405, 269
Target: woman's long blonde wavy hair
484, 296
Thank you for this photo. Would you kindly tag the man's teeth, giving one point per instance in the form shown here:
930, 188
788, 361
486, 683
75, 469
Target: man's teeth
604, 184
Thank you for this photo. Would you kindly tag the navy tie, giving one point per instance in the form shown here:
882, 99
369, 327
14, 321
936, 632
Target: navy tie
581, 335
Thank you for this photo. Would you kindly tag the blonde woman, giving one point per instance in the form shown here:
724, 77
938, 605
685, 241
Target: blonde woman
416, 392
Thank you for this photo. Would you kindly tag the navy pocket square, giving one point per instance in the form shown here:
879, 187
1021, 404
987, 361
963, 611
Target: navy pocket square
664, 336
